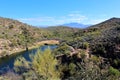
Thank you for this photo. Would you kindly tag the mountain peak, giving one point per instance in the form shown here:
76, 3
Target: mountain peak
108, 23
114, 19
76, 25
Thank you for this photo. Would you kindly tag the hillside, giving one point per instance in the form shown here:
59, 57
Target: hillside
107, 44
13, 35
61, 32
103, 40
108, 23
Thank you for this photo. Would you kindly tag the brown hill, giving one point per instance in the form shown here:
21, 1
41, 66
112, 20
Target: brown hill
13, 35
108, 23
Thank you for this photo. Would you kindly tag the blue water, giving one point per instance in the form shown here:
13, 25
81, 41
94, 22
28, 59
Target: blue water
7, 63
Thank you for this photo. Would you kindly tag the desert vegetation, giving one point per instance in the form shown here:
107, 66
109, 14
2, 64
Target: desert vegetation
82, 54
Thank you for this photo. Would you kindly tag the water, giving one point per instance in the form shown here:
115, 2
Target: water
7, 63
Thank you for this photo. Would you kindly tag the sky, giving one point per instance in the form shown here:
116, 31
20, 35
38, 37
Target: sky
55, 12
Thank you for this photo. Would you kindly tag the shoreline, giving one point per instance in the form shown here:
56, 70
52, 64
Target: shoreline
35, 45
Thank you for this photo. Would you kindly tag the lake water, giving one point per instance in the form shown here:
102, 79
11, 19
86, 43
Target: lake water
7, 63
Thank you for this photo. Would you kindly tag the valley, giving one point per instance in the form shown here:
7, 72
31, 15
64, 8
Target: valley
92, 50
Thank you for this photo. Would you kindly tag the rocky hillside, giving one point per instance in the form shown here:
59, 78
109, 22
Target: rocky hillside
13, 35
103, 40
108, 23
62, 32
109, 36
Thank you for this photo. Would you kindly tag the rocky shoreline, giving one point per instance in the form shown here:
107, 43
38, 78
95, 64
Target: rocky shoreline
35, 45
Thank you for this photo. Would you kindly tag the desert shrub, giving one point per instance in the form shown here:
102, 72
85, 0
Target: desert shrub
82, 54
114, 71
85, 45
95, 59
45, 64
62, 49
21, 65
42, 66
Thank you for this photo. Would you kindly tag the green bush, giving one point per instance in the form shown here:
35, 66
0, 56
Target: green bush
95, 59
82, 54
43, 66
85, 45
62, 49
114, 71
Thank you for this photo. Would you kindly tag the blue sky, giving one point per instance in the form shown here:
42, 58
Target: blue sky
54, 12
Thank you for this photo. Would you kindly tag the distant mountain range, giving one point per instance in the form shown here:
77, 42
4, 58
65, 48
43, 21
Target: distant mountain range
76, 25
71, 25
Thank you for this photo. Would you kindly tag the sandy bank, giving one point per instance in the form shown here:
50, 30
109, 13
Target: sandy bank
35, 45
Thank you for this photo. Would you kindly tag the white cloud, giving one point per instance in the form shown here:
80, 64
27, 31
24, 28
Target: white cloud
76, 17
40, 19
48, 20
56, 20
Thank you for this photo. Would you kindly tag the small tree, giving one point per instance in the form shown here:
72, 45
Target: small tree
85, 45
44, 64
25, 35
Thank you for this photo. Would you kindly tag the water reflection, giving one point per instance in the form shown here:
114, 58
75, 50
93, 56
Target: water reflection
7, 63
